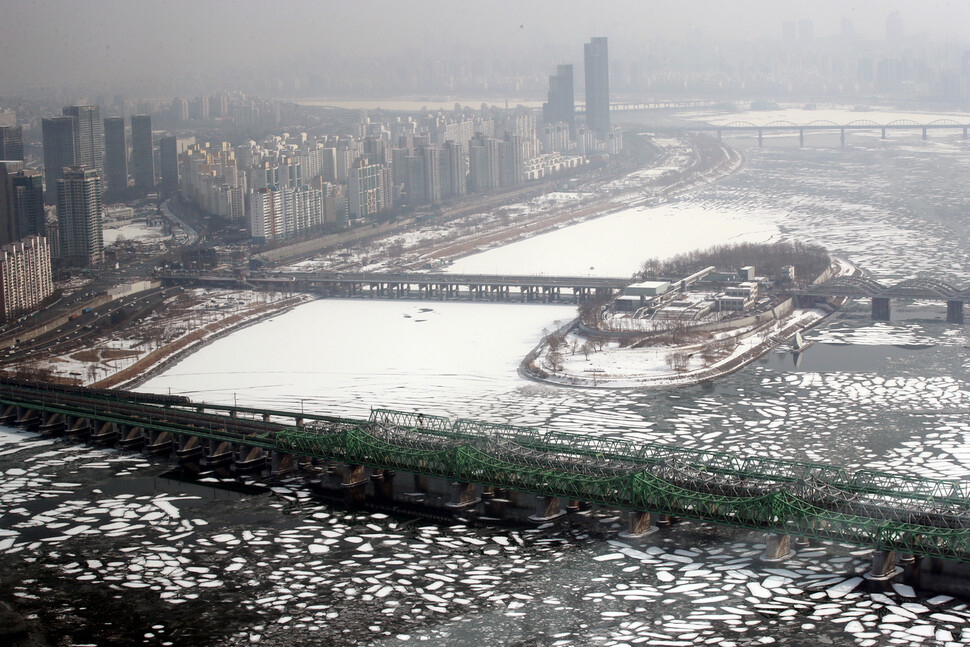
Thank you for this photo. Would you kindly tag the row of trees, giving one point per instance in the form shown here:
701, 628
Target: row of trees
769, 258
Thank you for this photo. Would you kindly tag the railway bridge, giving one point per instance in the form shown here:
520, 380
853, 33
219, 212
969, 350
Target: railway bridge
923, 288
479, 461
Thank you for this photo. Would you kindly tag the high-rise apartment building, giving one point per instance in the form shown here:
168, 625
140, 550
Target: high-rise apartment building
88, 135
115, 156
454, 169
561, 106
59, 152
142, 153
11, 143
365, 188
483, 164
79, 206
597, 87
25, 276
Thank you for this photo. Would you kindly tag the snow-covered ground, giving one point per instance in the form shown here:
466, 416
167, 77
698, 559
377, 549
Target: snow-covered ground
138, 230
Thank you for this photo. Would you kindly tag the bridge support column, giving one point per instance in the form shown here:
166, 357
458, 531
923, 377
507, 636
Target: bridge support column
801, 137
883, 566
547, 509
842, 137
354, 475
964, 132
880, 308
462, 496
883, 133
638, 525
719, 133
777, 548
924, 132
760, 137
954, 312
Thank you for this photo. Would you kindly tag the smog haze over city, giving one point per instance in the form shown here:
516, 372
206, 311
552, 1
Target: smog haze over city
181, 46
543, 323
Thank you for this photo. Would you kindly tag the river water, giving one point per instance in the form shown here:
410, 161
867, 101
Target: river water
282, 568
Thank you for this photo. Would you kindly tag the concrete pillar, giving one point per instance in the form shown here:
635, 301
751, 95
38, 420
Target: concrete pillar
954, 312
924, 132
663, 519
883, 566
801, 136
638, 526
572, 505
880, 308
843, 137
354, 475
777, 548
462, 496
760, 138
883, 133
964, 132
547, 509
719, 133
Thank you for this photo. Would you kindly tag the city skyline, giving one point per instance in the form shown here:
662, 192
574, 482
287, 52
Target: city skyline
109, 44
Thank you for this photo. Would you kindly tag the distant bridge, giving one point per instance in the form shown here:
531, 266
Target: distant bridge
668, 105
415, 285
821, 125
889, 512
917, 288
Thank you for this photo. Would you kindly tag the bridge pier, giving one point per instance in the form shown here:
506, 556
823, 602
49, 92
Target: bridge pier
760, 137
462, 496
883, 133
842, 137
719, 133
964, 132
801, 137
954, 312
880, 308
883, 566
547, 509
354, 475
638, 526
777, 548
924, 133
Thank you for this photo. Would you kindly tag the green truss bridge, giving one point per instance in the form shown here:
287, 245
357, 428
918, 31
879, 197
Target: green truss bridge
887, 512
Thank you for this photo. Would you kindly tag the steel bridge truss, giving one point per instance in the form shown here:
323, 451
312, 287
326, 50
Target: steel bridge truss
881, 510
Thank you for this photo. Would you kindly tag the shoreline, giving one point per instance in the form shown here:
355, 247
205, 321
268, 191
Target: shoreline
175, 351
781, 330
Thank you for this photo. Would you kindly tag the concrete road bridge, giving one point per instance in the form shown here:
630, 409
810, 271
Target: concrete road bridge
922, 288
821, 125
414, 285
481, 462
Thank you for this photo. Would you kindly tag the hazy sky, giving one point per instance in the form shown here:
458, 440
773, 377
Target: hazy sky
48, 42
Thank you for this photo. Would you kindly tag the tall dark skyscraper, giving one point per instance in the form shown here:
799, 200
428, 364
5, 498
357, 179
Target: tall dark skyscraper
11, 143
59, 151
169, 161
88, 147
115, 156
561, 106
79, 210
21, 202
142, 155
597, 87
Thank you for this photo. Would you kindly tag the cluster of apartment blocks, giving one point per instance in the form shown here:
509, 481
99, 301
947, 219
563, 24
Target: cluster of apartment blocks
291, 184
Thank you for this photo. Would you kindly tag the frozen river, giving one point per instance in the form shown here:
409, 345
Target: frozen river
286, 569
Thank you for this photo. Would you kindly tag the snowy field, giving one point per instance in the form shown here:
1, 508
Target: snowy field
139, 231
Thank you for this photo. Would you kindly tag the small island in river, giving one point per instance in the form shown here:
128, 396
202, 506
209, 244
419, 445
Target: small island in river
689, 319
